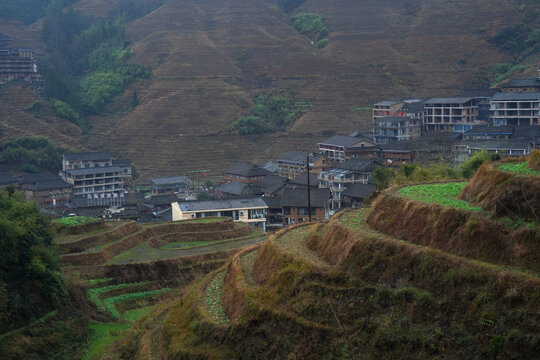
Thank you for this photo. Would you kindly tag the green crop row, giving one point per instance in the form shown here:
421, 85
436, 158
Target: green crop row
440, 194
74, 220
109, 302
519, 168
93, 293
214, 301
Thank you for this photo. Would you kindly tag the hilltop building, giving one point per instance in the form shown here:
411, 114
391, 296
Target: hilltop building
245, 172
169, 185
17, 63
293, 164
457, 114
335, 147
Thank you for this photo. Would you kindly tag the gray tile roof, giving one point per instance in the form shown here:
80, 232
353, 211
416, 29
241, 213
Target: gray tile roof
171, 180
503, 96
271, 183
95, 170
237, 188
358, 164
222, 204
478, 93
415, 107
388, 102
449, 100
301, 179
524, 82
497, 144
341, 140
488, 130
47, 184
297, 197
246, 169
294, 156
357, 190
272, 202
94, 156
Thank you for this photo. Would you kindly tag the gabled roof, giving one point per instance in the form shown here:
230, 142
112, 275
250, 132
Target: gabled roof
415, 107
237, 188
271, 166
502, 96
389, 102
223, 204
294, 156
297, 197
523, 82
171, 180
449, 100
160, 200
358, 164
121, 162
272, 202
246, 169
271, 183
32, 178
341, 140
301, 179
90, 156
47, 184
357, 190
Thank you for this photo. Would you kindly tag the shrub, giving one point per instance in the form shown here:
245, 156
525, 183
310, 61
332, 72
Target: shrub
322, 43
290, 5
248, 125
310, 24
67, 112
470, 166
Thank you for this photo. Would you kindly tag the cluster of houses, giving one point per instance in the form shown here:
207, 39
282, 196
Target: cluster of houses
301, 186
18, 63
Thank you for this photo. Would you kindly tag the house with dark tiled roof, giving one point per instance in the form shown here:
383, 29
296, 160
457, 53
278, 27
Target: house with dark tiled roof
489, 133
294, 204
271, 185
235, 188
274, 214
46, 189
530, 84
356, 194
86, 160
245, 172
169, 185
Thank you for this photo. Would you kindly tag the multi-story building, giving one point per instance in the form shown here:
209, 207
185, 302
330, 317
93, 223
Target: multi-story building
17, 63
531, 84
515, 108
391, 129
251, 210
86, 160
457, 114
293, 164
100, 185
335, 147
352, 171
386, 108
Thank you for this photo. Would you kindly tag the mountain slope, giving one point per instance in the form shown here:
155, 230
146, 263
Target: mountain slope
209, 58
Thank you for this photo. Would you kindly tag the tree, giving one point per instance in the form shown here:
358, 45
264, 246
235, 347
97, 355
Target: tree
30, 280
383, 176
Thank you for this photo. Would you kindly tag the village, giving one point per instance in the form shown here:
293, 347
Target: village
300, 186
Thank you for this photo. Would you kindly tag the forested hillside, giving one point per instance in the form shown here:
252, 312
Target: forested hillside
183, 77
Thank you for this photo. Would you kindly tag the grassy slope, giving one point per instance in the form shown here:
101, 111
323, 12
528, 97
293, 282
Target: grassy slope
209, 57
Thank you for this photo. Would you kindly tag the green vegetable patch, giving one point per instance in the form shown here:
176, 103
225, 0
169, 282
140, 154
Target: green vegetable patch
440, 194
214, 301
519, 168
109, 302
74, 220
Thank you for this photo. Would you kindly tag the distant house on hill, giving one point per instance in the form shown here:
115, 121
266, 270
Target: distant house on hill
169, 185
17, 63
251, 210
356, 194
245, 172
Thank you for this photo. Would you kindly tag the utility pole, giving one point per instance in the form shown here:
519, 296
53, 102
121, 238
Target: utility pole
308, 187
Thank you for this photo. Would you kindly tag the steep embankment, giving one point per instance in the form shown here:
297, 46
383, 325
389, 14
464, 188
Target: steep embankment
209, 58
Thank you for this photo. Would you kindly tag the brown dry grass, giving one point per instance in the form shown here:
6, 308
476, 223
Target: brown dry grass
92, 241
534, 160
455, 231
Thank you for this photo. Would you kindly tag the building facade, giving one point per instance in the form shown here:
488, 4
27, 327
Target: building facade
457, 114
515, 109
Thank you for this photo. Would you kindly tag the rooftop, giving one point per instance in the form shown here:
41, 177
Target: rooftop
341, 140
223, 204
301, 179
48, 184
415, 107
246, 169
237, 188
523, 82
297, 197
490, 130
358, 164
478, 93
359, 190
502, 96
271, 183
91, 156
171, 180
497, 144
449, 100
389, 102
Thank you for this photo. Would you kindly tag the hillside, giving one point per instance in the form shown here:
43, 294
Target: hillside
369, 283
209, 58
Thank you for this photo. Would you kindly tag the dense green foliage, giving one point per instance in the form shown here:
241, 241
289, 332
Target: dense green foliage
30, 281
505, 70
269, 114
470, 166
37, 152
213, 298
310, 24
519, 168
109, 302
441, 194
86, 66
520, 40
